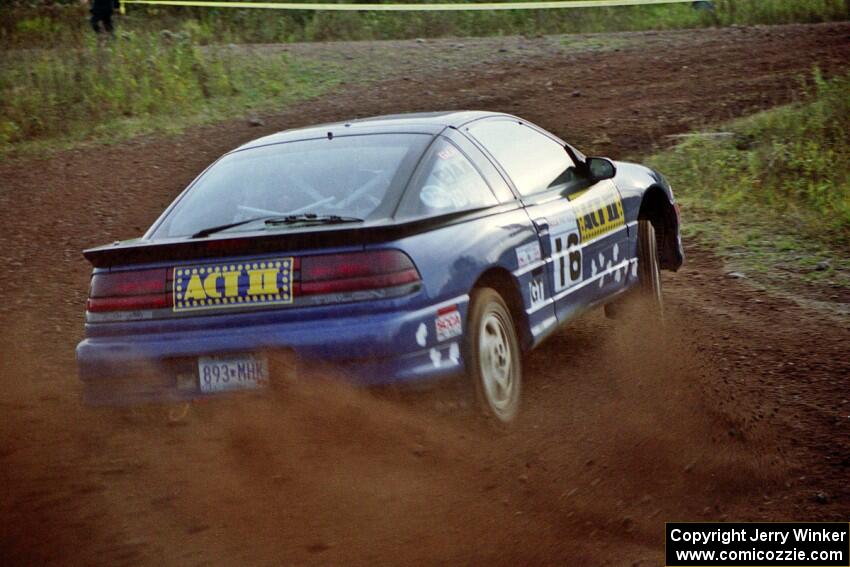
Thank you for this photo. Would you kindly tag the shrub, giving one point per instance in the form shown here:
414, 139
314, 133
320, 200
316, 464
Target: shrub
49, 93
58, 24
793, 160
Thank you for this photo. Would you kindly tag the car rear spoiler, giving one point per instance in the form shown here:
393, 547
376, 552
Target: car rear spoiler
147, 251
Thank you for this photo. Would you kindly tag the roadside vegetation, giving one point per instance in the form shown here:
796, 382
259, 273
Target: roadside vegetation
169, 67
771, 192
63, 22
142, 82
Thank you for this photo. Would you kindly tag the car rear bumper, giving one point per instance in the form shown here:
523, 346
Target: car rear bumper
385, 348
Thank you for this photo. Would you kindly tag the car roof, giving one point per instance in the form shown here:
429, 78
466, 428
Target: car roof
418, 122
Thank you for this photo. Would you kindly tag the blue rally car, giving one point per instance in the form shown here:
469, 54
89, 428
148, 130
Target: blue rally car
399, 249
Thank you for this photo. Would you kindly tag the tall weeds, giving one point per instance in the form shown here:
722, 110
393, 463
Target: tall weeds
794, 160
59, 23
46, 93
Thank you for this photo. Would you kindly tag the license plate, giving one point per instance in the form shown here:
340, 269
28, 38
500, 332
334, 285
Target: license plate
232, 372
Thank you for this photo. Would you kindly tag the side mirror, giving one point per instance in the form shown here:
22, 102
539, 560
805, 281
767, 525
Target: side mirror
600, 168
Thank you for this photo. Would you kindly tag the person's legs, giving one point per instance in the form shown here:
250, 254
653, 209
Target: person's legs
95, 25
107, 22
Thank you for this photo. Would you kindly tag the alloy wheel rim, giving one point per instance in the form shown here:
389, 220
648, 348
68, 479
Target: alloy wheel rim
496, 363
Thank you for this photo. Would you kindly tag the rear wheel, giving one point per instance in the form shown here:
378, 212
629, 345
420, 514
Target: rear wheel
493, 356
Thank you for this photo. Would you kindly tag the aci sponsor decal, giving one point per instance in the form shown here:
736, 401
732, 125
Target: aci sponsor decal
233, 285
599, 216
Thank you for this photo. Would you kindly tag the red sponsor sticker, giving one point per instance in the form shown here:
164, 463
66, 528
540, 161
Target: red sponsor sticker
448, 325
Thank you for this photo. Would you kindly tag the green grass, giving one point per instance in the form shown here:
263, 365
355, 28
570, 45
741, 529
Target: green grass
58, 87
773, 197
22, 25
142, 82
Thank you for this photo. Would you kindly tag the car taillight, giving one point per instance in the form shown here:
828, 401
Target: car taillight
130, 291
358, 271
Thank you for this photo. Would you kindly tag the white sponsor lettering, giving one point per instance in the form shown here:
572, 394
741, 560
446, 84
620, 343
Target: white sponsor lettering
528, 254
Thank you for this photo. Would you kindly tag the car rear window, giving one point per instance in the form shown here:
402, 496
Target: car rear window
354, 176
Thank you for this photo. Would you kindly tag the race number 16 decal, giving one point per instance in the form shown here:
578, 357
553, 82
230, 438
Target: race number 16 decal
566, 252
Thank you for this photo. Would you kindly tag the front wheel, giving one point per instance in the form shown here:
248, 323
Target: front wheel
646, 299
649, 269
493, 356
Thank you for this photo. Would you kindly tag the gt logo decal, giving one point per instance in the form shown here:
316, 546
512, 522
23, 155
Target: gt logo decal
537, 292
233, 285
599, 216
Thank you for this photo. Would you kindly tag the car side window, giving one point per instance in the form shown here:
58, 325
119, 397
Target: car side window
446, 182
533, 161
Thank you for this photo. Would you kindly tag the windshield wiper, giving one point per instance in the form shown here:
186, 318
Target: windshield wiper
213, 229
311, 218
275, 220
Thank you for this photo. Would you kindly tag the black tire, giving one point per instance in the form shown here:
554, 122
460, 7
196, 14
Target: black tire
493, 356
649, 270
647, 294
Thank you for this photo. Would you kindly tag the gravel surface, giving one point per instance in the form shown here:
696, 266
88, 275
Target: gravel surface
740, 413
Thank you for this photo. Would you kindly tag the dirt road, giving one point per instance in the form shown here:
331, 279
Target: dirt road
743, 414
